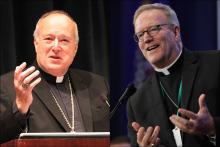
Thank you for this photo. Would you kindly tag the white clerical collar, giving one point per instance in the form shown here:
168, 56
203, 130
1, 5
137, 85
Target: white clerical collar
165, 70
59, 79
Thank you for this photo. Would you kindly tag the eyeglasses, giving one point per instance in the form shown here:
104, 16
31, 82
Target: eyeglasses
151, 31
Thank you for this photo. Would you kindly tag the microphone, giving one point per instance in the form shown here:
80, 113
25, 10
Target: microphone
130, 90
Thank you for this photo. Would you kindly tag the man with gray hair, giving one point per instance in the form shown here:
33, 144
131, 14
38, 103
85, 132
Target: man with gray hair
178, 104
49, 96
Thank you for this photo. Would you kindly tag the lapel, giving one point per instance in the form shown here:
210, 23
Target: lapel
159, 114
42, 90
81, 90
190, 68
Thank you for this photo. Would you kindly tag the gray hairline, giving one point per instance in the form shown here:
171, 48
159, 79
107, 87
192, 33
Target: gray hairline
168, 11
36, 30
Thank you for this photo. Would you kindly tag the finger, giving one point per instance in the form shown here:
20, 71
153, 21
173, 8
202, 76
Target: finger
183, 124
147, 136
17, 72
26, 73
155, 134
188, 114
140, 134
202, 101
19, 79
136, 126
35, 82
179, 121
29, 78
21, 67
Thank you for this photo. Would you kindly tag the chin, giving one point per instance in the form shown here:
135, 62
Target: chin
154, 61
54, 66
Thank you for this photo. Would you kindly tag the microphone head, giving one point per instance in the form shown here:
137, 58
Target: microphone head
130, 90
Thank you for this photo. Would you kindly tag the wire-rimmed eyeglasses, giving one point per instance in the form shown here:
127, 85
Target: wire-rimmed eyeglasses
151, 31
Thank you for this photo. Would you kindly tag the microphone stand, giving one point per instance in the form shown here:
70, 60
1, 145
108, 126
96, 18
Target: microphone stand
130, 90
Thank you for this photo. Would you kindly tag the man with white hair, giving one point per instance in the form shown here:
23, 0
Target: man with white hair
49, 96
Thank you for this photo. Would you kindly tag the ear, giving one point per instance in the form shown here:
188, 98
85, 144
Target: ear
35, 43
76, 48
177, 33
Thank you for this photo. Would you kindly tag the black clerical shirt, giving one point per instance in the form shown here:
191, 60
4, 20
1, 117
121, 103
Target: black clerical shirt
61, 91
171, 84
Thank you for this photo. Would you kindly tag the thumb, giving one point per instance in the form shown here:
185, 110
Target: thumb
136, 126
202, 101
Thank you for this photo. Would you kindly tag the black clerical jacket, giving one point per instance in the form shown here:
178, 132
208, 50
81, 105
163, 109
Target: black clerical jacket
200, 74
45, 116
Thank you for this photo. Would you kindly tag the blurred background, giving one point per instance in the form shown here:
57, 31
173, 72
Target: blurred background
106, 44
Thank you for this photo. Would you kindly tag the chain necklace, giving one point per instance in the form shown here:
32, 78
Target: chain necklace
180, 95
61, 110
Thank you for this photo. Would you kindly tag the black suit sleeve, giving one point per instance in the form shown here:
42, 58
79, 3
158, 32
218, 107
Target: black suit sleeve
11, 121
131, 131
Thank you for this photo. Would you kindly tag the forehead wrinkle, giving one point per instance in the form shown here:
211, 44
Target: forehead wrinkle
53, 19
149, 18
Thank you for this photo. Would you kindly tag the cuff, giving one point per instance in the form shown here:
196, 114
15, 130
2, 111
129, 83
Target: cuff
19, 117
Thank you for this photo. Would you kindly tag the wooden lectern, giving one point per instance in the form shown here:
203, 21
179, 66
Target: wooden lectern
91, 139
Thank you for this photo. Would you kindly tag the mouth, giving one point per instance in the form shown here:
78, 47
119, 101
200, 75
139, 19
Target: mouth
150, 48
55, 57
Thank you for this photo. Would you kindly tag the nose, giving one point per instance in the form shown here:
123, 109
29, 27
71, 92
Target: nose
56, 41
56, 47
147, 38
